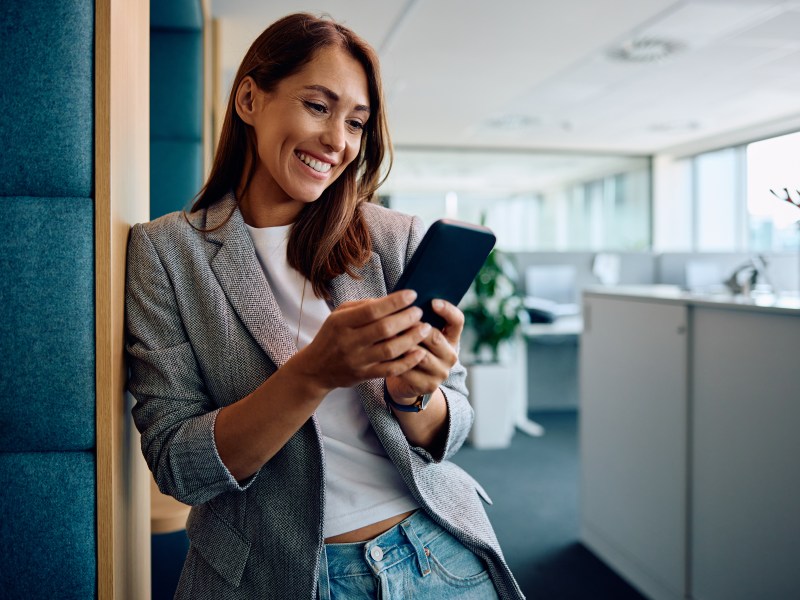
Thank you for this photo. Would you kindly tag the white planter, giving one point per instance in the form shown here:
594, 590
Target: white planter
491, 388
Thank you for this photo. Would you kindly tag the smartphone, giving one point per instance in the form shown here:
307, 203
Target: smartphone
444, 265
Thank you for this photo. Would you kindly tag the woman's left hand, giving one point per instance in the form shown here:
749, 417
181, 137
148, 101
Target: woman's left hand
440, 356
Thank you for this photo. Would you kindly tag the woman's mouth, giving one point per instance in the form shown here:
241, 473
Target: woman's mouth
318, 165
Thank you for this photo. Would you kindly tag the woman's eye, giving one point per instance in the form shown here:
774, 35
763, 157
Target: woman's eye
356, 125
316, 107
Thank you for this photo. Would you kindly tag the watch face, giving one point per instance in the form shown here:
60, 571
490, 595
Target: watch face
423, 402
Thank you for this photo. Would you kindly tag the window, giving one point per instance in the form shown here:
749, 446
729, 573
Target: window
773, 164
532, 201
718, 202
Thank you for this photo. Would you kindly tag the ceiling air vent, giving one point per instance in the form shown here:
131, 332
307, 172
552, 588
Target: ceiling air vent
645, 50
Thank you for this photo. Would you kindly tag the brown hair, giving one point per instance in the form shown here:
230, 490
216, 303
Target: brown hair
330, 236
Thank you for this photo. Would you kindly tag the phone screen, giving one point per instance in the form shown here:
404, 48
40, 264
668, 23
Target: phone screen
444, 265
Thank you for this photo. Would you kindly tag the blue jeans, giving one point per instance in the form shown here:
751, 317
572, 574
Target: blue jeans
414, 559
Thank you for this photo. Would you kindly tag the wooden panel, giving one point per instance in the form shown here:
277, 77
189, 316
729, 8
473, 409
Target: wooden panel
633, 437
121, 199
208, 88
218, 102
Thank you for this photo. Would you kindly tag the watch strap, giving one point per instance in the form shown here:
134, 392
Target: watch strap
418, 406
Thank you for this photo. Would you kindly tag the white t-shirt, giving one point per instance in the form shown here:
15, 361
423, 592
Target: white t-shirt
362, 486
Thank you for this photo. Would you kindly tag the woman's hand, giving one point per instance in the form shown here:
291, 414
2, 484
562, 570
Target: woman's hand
440, 354
365, 339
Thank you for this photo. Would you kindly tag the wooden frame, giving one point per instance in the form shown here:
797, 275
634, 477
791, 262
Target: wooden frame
209, 70
122, 181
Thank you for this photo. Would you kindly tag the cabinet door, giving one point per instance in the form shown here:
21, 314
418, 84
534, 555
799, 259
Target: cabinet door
633, 436
746, 456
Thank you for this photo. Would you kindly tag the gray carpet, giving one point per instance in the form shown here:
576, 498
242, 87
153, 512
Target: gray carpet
534, 486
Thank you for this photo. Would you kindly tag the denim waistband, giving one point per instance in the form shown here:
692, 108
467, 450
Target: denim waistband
405, 541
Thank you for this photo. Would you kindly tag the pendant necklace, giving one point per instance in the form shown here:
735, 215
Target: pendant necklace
300, 319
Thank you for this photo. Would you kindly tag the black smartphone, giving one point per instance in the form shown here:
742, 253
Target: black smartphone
444, 265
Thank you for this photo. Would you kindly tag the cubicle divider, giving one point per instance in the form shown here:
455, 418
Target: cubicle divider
47, 351
176, 104
552, 355
70, 183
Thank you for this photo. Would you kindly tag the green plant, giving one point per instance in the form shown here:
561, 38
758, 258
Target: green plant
493, 305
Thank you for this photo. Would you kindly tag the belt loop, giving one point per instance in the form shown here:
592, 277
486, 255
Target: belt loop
419, 549
323, 584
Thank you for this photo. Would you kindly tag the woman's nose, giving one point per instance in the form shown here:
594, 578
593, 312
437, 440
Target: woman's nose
334, 136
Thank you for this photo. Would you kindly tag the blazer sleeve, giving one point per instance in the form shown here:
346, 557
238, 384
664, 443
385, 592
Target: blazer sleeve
173, 411
459, 411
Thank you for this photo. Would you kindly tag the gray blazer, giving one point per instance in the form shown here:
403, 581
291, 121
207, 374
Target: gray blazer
204, 330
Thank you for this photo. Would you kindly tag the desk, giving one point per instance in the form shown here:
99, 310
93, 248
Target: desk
572, 325
552, 363
568, 326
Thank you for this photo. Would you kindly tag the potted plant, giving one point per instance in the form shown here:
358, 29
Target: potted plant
492, 310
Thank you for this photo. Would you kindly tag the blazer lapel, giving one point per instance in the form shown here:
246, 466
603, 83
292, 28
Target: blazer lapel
242, 279
370, 285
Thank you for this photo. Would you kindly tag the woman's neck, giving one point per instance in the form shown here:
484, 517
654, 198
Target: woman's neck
258, 211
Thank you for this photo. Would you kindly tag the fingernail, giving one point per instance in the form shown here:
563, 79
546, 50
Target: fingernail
409, 295
438, 304
417, 312
425, 329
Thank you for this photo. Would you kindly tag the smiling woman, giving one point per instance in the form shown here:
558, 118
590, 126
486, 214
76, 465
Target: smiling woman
315, 119
307, 416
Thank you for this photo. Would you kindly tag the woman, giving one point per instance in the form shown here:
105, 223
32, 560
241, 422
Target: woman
304, 413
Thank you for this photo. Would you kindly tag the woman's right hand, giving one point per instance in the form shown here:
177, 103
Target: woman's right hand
365, 339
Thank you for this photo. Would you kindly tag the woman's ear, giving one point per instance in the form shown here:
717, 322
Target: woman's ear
245, 100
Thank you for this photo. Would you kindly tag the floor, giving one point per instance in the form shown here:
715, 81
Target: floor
535, 513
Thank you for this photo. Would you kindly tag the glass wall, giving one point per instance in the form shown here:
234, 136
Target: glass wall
533, 201
730, 200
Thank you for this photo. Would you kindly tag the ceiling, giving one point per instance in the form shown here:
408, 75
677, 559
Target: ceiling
536, 74
515, 95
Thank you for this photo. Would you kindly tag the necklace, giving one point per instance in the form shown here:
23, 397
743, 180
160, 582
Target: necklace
300, 319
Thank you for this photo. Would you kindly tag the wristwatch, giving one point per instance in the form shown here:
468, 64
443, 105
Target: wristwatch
418, 406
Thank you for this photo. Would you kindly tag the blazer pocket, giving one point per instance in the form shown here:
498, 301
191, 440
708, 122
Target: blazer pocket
453, 470
481, 492
221, 545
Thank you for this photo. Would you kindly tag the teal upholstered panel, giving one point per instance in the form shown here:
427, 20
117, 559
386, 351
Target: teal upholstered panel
176, 105
47, 526
176, 14
176, 85
46, 97
47, 382
175, 175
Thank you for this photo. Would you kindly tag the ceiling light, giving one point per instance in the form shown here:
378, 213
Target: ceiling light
512, 122
645, 50
675, 126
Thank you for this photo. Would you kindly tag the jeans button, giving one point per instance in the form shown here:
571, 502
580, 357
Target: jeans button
376, 553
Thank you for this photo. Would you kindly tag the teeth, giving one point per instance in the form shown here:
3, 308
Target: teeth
317, 165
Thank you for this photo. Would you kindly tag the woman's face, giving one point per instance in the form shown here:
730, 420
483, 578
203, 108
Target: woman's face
308, 130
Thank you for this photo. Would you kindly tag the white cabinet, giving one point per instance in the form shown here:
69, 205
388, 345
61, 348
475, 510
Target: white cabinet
745, 456
633, 431
690, 445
